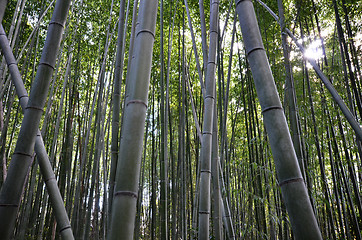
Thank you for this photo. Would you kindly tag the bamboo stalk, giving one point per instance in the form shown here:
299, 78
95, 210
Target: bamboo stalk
128, 167
290, 178
209, 101
2, 9
116, 101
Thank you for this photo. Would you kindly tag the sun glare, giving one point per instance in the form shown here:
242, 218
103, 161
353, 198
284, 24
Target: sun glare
314, 50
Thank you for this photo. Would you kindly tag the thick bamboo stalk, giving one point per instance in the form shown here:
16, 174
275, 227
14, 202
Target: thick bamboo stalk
290, 178
2, 9
11, 192
209, 101
128, 167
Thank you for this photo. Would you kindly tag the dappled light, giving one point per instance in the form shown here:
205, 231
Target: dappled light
314, 50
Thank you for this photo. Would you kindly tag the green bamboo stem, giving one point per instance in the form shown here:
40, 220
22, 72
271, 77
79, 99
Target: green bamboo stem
292, 185
228, 222
203, 34
216, 196
13, 35
128, 167
163, 141
131, 50
14, 20
116, 101
11, 191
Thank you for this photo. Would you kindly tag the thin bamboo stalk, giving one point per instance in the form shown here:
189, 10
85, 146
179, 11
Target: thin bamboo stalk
216, 196
195, 50
290, 93
163, 141
203, 34
116, 101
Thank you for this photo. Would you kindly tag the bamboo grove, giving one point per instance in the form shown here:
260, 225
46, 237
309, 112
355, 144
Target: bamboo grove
180, 119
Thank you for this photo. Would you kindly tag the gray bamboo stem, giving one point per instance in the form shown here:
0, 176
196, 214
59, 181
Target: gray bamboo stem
209, 101
129, 162
197, 125
291, 182
2, 9
130, 49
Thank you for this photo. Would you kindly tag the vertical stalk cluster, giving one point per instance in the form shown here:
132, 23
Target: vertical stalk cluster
11, 191
42, 156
